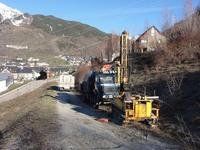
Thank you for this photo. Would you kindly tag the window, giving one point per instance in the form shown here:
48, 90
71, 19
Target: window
143, 41
106, 79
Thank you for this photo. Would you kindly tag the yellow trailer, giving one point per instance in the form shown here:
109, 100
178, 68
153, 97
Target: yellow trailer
131, 108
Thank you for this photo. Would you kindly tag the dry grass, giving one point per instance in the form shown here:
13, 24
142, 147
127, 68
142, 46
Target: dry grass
29, 120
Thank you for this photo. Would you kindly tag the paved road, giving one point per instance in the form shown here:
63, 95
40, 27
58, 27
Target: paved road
27, 88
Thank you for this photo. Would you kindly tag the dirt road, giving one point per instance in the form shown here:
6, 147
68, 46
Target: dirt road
59, 120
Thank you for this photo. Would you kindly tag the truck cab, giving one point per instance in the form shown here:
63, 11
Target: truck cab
106, 86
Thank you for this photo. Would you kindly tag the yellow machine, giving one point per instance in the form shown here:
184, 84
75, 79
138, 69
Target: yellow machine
132, 107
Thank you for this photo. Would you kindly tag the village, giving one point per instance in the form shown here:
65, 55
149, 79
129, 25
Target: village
19, 70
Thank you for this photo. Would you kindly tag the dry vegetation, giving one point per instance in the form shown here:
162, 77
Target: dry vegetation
173, 73
24, 119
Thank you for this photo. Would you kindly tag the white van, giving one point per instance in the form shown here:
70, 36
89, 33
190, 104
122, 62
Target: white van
66, 81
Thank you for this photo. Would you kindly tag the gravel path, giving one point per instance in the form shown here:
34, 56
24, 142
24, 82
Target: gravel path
80, 130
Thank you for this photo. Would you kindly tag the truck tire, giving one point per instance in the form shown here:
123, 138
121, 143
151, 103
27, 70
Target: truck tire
96, 106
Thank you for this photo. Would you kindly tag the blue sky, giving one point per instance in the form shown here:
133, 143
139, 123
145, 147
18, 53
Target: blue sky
107, 15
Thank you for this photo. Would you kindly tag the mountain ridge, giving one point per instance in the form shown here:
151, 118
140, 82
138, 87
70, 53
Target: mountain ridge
48, 36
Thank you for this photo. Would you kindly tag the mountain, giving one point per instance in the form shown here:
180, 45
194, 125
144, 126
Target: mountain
16, 17
61, 27
25, 35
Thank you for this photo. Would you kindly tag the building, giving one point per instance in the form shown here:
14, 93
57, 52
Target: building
23, 74
150, 40
6, 79
32, 62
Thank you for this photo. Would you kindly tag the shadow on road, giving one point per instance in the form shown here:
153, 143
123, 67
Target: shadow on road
54, 88
76, 100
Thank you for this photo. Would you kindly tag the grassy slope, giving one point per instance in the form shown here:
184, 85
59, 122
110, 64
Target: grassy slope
62, 27
65, 38
71, 35
183, 103
36, 110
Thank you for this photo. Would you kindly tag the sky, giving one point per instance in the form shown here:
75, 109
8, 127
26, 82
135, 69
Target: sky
111, 16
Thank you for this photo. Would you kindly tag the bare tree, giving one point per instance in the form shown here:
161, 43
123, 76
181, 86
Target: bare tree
188, 8
115, 42
174, 83
184, 134
188, 11
167, 19
109, 49
112, 45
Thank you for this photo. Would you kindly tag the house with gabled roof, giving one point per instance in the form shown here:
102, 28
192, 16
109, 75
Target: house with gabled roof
151, 40
6, 79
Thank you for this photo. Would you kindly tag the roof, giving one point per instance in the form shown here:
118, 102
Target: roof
147, 31
24, 70
38, 69
11, 69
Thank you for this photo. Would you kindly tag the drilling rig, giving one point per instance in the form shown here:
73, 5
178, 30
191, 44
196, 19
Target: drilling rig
127, 107
124, 57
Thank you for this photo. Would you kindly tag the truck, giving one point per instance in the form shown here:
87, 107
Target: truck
100, 87
66, 81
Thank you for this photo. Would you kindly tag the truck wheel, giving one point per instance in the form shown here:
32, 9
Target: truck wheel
96, 106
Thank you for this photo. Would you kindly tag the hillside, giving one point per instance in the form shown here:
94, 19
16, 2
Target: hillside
46, 36
59, 27
173, 74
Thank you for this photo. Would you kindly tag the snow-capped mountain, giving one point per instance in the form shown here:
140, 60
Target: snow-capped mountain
44, 36
16, 17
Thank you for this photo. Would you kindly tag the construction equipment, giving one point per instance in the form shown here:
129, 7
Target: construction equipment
124, 57
127, 107
131, 108
100, 87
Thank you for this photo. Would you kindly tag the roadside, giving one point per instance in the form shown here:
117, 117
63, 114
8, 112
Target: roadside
26, 88
50, 119
179, 93
14, 86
